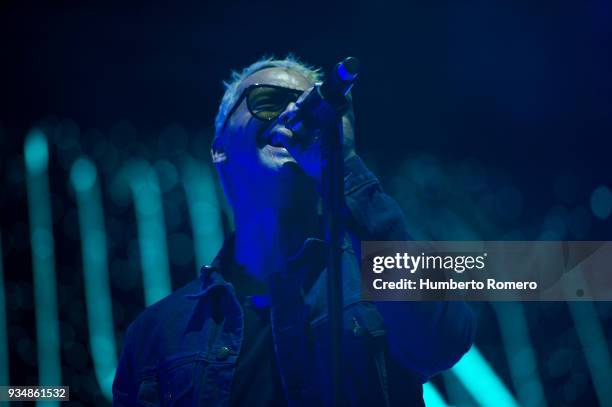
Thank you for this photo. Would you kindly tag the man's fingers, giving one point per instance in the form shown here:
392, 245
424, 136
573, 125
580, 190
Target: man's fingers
291, 132
284, 136
304, 96
303, 136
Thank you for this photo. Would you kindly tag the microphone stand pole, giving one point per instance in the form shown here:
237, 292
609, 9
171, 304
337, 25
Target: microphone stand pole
324, 107
334, 91
332, 177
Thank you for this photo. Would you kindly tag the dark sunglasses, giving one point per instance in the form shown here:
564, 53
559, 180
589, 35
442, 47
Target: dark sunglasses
265, 102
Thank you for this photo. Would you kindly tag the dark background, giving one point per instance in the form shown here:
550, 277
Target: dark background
486, 120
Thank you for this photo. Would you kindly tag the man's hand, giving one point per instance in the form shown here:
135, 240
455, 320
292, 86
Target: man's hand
304, 142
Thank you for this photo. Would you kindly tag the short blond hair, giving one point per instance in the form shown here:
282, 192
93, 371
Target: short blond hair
311, 73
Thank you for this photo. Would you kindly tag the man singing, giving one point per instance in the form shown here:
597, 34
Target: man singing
253, 329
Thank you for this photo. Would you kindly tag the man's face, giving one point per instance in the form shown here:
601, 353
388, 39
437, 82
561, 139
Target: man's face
254, 168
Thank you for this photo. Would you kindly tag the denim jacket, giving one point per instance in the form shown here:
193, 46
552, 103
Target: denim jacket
183, 350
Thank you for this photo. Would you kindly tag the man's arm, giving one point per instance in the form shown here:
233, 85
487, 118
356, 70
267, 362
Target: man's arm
426, 337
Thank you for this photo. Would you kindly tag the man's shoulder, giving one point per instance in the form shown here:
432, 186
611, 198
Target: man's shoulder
167, 313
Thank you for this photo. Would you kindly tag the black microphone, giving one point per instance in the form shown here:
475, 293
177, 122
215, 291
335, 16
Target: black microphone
340, 82
328, 101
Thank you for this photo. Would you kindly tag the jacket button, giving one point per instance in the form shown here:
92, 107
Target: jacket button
223, 352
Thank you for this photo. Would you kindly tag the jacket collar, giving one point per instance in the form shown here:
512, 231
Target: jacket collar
309, 260
211, 275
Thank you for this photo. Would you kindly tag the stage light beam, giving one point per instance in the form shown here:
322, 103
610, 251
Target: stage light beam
146, 195
36, 156
481, 381
432, 397
520, 353
593, 341
4, 356
94, 252
204, 210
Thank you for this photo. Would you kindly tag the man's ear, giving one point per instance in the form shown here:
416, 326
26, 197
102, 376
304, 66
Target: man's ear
217, 151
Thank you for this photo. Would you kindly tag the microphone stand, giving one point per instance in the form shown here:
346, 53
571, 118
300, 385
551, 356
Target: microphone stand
332, 176
323, 108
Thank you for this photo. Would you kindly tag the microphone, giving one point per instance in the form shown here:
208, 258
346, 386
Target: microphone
340, 82
328, 101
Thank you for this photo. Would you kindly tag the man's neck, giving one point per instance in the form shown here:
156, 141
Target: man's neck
266, 237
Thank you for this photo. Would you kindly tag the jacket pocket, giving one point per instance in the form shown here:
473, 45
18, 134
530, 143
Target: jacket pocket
177, 380
148, 392
363, 341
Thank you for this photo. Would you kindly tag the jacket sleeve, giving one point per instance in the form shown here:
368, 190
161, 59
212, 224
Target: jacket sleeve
426, 337
124, 385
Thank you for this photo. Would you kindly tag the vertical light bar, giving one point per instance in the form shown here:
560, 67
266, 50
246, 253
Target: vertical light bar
204, 210
593, 341
146, 196
36, 155
4, 356
520, 353
83, 177
456, 393
432, 396
481, 381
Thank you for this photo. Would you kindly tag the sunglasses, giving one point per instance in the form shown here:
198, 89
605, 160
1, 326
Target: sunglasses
265, 102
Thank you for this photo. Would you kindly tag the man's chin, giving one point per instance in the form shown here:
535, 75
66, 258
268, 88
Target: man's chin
282, 185
290, 170
291, 177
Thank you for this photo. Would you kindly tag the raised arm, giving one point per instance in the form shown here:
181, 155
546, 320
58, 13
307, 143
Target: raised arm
426, 337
